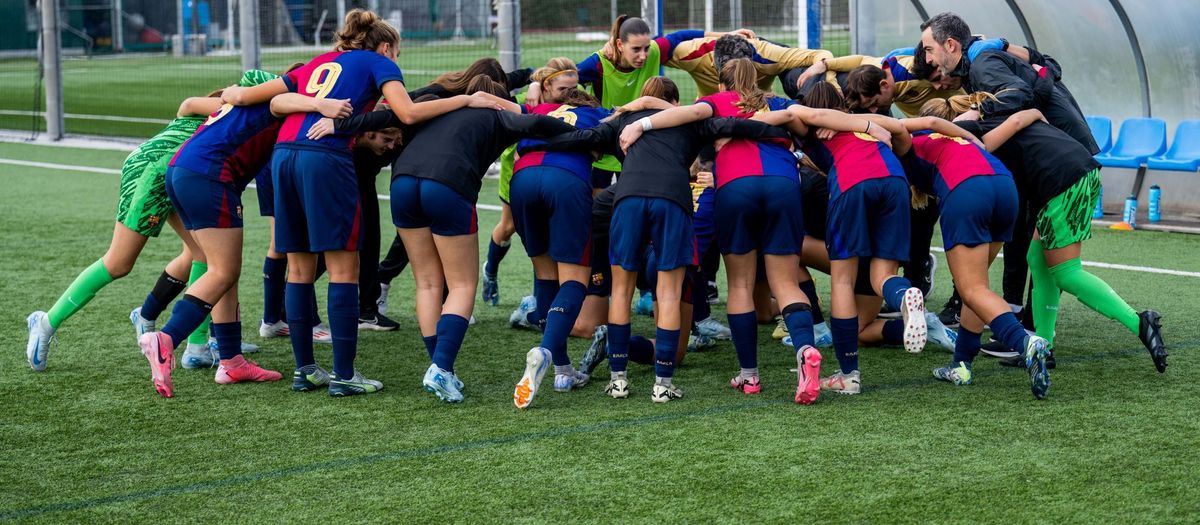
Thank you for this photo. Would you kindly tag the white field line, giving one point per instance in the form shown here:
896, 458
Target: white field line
81, 116
492, 207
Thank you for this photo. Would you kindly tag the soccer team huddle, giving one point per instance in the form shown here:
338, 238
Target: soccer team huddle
615, 187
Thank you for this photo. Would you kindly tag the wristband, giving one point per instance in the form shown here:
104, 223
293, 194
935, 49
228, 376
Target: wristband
646, 124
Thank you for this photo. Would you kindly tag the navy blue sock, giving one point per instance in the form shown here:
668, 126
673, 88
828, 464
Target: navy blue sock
744, 329
893, 331
315, 314
451, 329
893, 292
495, 254
810, 291
618, 347
186, 317
229, 339
561, 318
298, 300
544, 290
165, 290
274, 284
845, 342
343, 327
1007, 328
967, 345
430, 344
666, 342
798, 318
641, 350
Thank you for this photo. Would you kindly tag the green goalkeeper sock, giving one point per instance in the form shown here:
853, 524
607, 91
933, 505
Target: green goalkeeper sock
90, 281
1095, 293
200, 336
1045, 294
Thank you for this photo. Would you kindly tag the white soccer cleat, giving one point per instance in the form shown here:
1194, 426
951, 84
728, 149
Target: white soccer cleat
939, 334
537, 360
277, 329
916, 333
41, 334
321, 334
141, 325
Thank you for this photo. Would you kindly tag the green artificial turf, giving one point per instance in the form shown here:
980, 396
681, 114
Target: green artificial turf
89, 441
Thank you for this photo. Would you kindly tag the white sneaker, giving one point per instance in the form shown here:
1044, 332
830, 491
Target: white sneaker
714, 329
277, 329
321, 334
41, 334
537, 360
939, 334
382, 303
200, 356
443, 384
843, 383
617, 388
663, 393
915, 331
568, 382
141, 325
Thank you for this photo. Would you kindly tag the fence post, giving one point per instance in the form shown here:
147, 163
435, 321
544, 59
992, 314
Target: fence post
118, 26
735, 14
509, 33
248, 13
52, 69
708, 15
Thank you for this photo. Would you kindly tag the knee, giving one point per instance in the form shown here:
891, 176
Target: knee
117, 267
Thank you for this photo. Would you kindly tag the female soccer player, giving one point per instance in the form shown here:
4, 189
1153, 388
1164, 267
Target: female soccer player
868, 218
316, 193
142, 209
653, 205
1061, 180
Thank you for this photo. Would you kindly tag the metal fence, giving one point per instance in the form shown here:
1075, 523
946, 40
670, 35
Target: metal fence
126, 64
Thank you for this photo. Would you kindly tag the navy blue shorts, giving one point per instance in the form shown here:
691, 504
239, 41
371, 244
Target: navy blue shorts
760, 213
552, 209
815, 190
202, 201
871, 219
980, 210
265, 188
704, 220
427, 203
317, 206
641, 221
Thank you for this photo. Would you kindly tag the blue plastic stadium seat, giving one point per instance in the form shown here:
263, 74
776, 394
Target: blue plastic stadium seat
1101, 131
1184, 154
1139, 139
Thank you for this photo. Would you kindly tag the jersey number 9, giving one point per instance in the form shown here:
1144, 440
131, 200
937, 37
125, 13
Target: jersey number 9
322, 79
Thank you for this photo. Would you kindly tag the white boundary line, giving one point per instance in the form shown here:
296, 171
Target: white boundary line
80, 116
492, 207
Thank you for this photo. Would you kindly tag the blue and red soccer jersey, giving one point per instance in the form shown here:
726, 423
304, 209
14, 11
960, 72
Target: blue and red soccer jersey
578, 163
234, 144
943, 162
850, 158
750, 158
355, 75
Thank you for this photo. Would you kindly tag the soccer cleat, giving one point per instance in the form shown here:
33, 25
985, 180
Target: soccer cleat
931, 266
996, 348
276, 329
357, 385
1035, 363
305, 381
199, 356
746, 385
915, 331
714, 295
808, 375
1018, 361
537, 360
141, 325
1150, 332
958, 373
596, 352
381, 304
490, 287
843, 383
951, 314
160, 352
662, 393
823, 335
939, 334
520, 316
443, 384
699, 342
644, 304
377, 322
242, 370
569, 382
41, 334
617, 388
247, 348
321, 334
713, 328
780, 331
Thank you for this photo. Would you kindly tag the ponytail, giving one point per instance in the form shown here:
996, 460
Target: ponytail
365, 30
740, 75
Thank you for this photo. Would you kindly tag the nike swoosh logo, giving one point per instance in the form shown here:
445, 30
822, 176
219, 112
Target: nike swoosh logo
161, 361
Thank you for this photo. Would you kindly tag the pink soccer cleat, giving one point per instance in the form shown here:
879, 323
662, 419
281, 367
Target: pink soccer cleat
808, 375
160, 351
746, 386
241, 370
